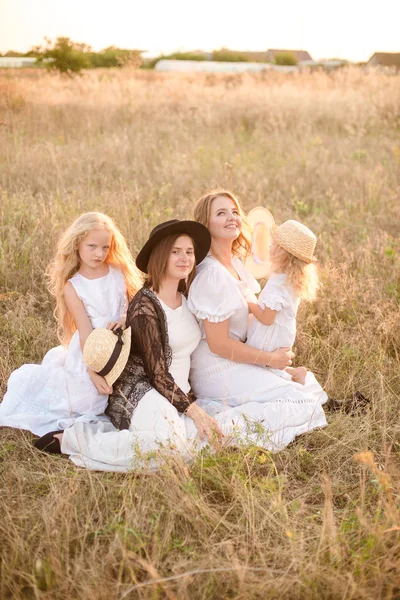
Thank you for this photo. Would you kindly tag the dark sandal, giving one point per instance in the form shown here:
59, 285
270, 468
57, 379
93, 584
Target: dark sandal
357, 404
334, 405
48, 443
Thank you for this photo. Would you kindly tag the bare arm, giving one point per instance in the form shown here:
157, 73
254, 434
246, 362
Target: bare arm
78, 313
266, 316
84, 327
220, 343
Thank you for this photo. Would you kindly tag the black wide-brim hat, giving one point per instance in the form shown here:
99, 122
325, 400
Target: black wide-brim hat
199, 234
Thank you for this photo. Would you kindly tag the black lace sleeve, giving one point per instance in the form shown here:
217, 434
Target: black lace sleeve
147, 341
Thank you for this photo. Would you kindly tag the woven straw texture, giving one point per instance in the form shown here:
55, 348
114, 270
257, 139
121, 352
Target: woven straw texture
297, 239
99, 347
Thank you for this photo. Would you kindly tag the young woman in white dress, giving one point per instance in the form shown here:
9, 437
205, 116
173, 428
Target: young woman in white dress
151, 408
293, 277
91, 276
228, 376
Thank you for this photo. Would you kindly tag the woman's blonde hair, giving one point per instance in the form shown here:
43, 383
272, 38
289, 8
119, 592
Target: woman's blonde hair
302, 276
67, 262
158, 264
242, 245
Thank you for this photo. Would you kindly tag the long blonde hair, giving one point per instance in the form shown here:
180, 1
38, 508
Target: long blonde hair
302, 276
67, 262
242, 245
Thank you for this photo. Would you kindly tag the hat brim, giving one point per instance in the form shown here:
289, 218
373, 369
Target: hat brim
198, 232
260, 215
97, 351
258, 270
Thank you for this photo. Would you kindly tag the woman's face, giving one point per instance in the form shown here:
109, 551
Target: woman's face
182, 259
225, 222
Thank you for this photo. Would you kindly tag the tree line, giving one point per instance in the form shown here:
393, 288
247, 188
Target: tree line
66, 56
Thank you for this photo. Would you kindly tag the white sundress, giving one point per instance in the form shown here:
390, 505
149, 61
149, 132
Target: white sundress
277, 295
55, 394
245, 393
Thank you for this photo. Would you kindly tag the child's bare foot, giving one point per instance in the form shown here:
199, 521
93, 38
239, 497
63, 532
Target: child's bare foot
298, 374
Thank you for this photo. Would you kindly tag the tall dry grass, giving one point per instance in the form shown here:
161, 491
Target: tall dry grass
319, 520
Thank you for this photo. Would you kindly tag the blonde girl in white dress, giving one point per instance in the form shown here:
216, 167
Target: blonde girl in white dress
91, 277
293, 277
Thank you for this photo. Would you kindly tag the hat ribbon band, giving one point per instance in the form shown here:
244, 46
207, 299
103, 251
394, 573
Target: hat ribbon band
115, 353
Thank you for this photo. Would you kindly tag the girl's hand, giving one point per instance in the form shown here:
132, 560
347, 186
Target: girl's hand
100, 383
205, 425
117, 324
281, 358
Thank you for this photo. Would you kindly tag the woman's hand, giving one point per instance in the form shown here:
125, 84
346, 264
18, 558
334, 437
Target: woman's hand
121, 324
205, 425
100, 383
281, 358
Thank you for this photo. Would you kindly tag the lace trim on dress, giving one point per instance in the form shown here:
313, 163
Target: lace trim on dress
274, 302
201, 316
291, 400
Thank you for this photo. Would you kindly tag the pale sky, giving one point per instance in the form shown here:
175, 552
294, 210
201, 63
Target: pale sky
352, 29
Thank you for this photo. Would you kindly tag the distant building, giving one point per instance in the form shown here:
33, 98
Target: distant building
326, 64
300, 55
255, 56
208, 66
385, 59
16, 62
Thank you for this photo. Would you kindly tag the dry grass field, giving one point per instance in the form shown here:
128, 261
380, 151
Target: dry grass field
320, 520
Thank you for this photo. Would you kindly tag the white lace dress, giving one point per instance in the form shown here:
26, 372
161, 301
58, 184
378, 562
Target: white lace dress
265, 408
53, 395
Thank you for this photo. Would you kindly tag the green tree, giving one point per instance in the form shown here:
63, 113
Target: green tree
226, 55
64, 55
13, 53
115, 57
285, 58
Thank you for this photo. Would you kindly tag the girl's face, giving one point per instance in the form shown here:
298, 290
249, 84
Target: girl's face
93, 249
274, 251
225, 222
182, 259
277, 256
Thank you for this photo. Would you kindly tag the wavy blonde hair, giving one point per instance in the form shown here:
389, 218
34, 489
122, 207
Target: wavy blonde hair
67, 262
242, 245
302, 276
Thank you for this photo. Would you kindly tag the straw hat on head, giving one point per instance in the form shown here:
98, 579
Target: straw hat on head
106, 352
297, 239
263, 225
